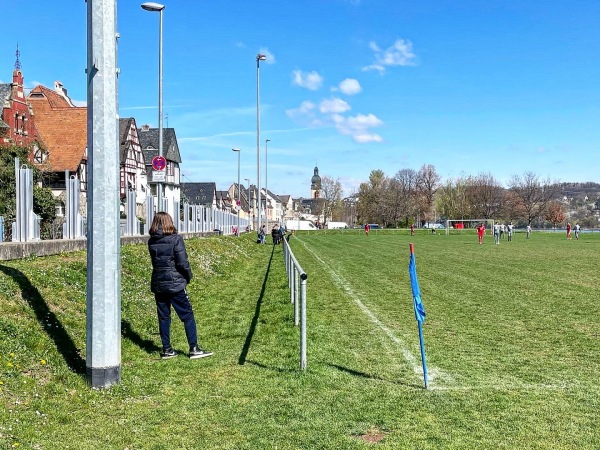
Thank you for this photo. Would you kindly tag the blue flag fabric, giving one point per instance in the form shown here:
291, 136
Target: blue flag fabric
414, 284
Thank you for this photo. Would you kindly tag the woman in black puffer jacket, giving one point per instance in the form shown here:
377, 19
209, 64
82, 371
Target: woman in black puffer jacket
171, 273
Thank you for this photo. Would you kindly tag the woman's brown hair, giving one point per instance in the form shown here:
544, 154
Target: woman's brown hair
162, 220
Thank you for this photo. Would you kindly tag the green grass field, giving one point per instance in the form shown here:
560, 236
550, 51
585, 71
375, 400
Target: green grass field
512, 339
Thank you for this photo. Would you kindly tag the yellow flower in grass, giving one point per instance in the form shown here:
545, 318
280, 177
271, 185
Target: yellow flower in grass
43, 362
9, 364
15, 445
12, 355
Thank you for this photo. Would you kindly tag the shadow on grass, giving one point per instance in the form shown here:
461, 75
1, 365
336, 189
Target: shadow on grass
356, 373
250, 335
145, 344
64, 344
276, 369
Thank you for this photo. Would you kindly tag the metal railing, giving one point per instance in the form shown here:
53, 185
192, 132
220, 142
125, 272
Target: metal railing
297, 282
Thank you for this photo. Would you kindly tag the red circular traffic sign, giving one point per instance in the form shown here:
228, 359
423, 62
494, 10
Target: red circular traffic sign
159, 163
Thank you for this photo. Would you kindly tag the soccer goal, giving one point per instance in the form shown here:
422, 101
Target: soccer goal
459, 224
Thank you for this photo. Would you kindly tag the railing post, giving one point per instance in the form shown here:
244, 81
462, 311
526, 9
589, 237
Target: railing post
295, 296
303, 277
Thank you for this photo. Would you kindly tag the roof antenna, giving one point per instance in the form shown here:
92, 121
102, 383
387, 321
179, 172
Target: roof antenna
167, 119
17, 62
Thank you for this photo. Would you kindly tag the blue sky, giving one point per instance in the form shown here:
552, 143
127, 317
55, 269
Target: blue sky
350, 85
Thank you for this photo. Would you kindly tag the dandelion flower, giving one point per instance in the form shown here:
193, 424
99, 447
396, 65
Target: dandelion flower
43, 362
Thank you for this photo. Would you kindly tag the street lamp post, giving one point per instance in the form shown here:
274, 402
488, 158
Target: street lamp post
266, 185
259, 57
157, 7
239, 201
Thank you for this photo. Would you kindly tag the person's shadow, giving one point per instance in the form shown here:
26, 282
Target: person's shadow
145, 344
254, 322
64, 344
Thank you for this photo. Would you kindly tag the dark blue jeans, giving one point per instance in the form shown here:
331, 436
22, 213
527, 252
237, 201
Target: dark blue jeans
182, 306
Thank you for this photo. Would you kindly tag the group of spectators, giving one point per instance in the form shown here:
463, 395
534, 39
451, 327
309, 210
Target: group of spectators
277, 234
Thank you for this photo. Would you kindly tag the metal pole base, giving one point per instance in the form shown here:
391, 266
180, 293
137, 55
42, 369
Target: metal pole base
103, 377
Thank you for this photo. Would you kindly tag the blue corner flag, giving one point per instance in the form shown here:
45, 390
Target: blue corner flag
414, 284
419, 308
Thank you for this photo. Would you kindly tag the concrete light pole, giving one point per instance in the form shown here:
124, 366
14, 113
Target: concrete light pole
259, 57
239, 200
157, 7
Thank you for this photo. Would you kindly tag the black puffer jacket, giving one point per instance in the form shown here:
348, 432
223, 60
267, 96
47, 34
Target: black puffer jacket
171, 270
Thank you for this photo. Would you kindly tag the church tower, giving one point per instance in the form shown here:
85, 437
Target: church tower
315, 184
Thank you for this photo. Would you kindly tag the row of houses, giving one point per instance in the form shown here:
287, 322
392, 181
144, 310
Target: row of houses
49, 123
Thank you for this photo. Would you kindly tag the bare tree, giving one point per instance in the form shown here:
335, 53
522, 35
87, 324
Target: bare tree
405, 181
532, 195
486, 196
331, 193
428, 181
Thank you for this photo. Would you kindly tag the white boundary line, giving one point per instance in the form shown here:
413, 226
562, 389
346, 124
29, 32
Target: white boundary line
408, 356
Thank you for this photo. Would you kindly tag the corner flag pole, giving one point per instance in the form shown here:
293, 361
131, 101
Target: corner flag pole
418, 307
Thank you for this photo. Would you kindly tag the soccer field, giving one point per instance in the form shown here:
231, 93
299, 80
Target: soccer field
511, 337
512, 330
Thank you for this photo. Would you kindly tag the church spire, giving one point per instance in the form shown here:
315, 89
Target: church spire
17, 62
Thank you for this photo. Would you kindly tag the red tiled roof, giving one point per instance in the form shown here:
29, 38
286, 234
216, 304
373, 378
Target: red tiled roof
62, 128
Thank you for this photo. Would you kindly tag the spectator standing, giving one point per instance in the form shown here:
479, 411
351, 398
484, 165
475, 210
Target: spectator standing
528, 230
412, 229
171, 274
275, 234
510, 231
568, 230
367, 228
577, 229
262, 234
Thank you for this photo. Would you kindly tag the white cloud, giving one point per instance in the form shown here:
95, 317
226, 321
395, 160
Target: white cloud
305, 108
399, 54
334, 106
330, 113
309, 80
358, 127
349, 86
363, 138
270, 56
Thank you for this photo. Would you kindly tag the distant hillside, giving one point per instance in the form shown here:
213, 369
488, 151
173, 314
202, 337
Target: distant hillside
580, 190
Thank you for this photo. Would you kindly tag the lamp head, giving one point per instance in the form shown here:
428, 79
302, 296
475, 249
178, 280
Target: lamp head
261, 57
151, 6
236, 149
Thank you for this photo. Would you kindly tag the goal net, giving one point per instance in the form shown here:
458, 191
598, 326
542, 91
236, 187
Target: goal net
468, 224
